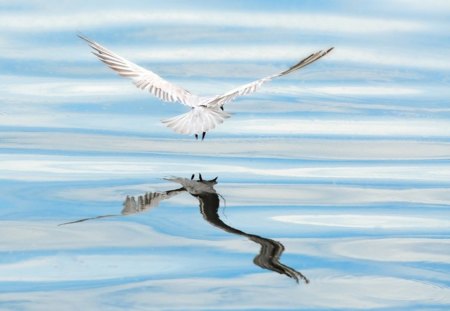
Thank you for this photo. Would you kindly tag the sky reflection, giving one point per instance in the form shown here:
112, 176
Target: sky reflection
339, 172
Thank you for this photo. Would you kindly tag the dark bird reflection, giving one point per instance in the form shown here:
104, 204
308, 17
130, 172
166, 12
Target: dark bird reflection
270, 251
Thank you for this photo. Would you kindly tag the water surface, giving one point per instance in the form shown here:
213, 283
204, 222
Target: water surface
333, 186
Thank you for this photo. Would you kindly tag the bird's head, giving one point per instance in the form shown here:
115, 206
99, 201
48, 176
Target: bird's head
209, 182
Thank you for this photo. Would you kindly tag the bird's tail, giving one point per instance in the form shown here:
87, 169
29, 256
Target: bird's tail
200, 119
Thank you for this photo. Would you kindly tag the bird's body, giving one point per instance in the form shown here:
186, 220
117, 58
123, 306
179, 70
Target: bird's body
206, 112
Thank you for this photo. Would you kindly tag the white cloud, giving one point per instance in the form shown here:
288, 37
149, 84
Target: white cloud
49, 90
429, 59
68, 91
336, 149
394, 127
280, 194
23, 235
371, 127
424, 59
295, 21
26, 167
373, 91
328, 289
395, 249
366, 221
119, 234
140, 53
88, 267
432, 6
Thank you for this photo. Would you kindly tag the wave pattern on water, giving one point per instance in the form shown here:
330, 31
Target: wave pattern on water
340, 172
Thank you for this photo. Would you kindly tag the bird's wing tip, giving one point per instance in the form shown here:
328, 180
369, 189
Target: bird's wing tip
81, 36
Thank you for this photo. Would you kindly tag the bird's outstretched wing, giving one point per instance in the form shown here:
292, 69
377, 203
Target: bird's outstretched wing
251, 87
142, 78
145, 202
131, 205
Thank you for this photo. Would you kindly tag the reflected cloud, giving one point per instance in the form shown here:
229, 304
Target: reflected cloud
286, 148
365, 221
270, 251
333, 290
39, 21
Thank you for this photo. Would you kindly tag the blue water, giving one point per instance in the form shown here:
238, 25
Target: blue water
333, 187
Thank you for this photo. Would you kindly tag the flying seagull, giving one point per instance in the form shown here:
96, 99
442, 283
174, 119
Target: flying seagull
206, 112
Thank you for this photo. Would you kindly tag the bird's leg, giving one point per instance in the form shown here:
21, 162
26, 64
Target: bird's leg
200, 177
221, 107
203, 135
192, 177
196, 136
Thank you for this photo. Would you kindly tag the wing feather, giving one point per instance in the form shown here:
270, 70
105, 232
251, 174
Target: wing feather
197, 120
251, 87
147, 201
142, 78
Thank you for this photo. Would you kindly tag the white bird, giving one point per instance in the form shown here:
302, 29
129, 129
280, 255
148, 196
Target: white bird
206, 112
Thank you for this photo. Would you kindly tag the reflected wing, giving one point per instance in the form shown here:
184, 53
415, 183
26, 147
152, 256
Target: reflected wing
147, 201
131, 206
255, 85
142, 78
90, 218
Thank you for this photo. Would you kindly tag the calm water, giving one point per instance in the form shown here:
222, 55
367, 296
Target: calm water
333, 183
